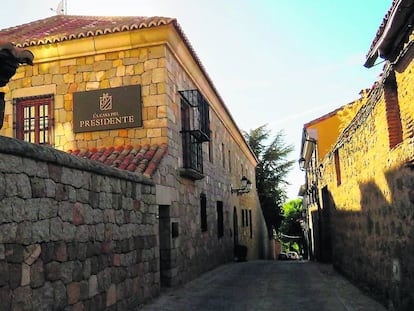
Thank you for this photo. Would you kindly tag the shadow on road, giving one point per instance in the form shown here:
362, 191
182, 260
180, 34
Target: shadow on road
267, 285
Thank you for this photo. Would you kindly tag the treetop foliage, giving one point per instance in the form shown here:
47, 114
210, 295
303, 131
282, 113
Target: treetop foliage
271, 171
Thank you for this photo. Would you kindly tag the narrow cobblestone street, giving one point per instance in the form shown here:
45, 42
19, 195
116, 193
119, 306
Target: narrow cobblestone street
267, 285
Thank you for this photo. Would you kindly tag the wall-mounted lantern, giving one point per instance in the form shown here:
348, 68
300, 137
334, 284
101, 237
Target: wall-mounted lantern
302, 162
246, 186
308, 147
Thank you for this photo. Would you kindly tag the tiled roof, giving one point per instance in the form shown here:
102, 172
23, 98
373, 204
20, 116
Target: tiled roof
381, 29
393, 32
67, 27
140, 159
60, 28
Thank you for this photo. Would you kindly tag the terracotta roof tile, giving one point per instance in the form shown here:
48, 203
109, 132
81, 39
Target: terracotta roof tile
67, 27
155, 161
140, 159
392, 26
381, 28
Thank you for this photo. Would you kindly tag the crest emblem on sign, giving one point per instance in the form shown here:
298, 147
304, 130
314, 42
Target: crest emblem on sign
105, 102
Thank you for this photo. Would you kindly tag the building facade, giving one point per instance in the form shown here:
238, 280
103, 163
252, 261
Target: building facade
365, 181
318, 138
131, 92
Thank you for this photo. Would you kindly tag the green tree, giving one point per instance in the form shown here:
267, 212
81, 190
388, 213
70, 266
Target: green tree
292, 214
271, 172
291, 229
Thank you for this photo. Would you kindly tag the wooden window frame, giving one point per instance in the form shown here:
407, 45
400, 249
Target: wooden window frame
28, 123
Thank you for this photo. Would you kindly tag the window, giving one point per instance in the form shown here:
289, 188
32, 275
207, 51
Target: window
223, 155
229, 161
392, 110
251, 225
337, 167
211, 150
245, 220
195, 129
203, 212
220, 221
34, 119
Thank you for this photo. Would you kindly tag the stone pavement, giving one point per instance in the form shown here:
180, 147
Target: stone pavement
266, 285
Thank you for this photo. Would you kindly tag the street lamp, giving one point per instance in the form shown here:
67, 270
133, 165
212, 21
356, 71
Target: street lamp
246, 186
308, 147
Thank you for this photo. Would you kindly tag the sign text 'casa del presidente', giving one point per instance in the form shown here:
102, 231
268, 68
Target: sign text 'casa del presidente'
107, 109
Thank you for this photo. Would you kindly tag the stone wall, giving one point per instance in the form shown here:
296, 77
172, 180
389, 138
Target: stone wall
74, 234
375, 245
195, 251
372, 215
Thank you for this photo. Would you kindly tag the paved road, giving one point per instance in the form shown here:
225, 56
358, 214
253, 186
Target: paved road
266, 285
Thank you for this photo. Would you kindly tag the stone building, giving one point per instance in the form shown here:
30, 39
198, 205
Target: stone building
318, 138
314, 146
365, 181
131, 92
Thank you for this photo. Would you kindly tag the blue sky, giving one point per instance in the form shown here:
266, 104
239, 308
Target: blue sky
276, 62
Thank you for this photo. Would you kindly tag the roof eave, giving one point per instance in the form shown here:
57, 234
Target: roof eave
371, 60
399, 12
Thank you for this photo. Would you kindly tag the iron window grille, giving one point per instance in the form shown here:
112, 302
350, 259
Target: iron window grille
198, 117
195, 130
192, 152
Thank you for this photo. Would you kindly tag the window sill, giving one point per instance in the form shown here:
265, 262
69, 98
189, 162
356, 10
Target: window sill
191, 174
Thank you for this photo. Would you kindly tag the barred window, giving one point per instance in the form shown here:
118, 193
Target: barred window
195, 129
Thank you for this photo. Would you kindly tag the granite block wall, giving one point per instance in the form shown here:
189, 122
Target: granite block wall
372, 208
74, 235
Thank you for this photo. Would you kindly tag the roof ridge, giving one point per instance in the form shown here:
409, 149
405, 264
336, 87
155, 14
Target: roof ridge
59, 28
